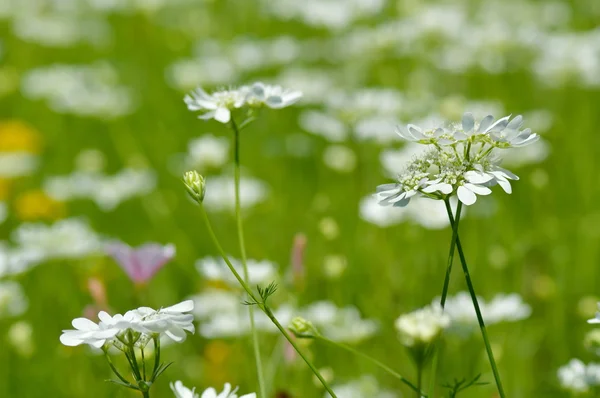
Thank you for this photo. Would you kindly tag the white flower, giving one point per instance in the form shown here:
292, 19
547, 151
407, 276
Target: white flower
13, 301
182, 391
364, 387
472, 186
274, 97
88, 332
217, 105
340, 324
17, 164
227, 392
579, 377
220, 195
259, 271
171, 321
421, 326
207, 151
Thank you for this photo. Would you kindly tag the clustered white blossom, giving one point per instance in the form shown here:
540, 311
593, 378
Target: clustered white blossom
220, 104
422, 326
141, 325
458, 160
578, 377
182, 391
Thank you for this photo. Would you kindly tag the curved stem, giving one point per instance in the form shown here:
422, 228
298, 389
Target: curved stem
240, 231
116, 372
372, 360
482, 327
262, 306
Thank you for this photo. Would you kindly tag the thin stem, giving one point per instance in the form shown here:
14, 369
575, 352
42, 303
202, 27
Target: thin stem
452, 246
372, 360
240, 231
116, 372
419, 379
254, 299
145, 394
433, 375
484, 334
156, 340
143, 363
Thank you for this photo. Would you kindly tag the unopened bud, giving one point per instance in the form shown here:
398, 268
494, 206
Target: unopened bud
195, 185
302, 328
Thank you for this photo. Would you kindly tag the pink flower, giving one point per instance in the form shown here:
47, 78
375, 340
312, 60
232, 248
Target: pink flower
140, 263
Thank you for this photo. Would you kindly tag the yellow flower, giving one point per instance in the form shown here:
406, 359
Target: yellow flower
17, 136
35, 205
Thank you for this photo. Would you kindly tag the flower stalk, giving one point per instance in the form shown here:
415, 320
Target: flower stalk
261, 303
240, 232
461, 254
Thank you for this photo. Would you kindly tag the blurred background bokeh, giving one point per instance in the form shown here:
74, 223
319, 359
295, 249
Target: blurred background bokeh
94, 136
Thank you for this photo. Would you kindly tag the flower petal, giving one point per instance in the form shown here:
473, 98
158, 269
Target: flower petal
466, 196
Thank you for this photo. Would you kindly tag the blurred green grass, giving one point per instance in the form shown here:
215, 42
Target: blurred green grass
551, 232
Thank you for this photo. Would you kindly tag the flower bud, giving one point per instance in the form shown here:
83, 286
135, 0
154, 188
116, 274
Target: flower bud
302, 328
195, 185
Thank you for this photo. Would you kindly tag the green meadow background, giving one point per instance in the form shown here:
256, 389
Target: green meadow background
548, 235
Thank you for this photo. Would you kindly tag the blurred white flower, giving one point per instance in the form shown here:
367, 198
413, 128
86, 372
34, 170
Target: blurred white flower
13, 301
84, 90
107, 191
212, 302
259, 271
207, 151
579, 377
88, 332
69, 238
324, 125
17, 164
422, 326
364, 387
220, 193
502, 308
272, 96
339, 324
339, 158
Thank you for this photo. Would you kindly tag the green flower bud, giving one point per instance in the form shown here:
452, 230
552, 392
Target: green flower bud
195, 185
302, 328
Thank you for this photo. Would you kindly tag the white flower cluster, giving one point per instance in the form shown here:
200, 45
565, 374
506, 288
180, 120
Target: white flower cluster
578, 377
458, 160
220, 104
364, 387
182, 391
13, 301
17, 164
502, 308
220, 193
422, 326
107, 191
215, 269
221, 316
84, 90
37, 242
137, 327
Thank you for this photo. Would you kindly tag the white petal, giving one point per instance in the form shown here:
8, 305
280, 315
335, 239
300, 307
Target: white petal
466, 196
223, 115
468, 122
478, 189
485, 123
184, 306
69, 339
84, 324
477, 177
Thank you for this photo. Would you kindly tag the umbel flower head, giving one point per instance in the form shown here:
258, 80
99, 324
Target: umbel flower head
136, 327
182, 391
423, 326
461, 159
220, 104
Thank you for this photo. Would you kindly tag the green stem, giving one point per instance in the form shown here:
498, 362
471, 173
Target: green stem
143, 364
433, 375
156, 340
262, 306
146, 394
419, 379
451, 253
484, 334
240, 231
372, 360
116, 372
